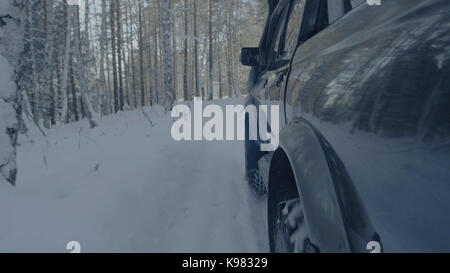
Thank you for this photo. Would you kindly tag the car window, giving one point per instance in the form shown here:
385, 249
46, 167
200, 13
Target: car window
291, 30
278, 40
275, 31
356, 3
337, 9
321, 13
305, 18
263, 41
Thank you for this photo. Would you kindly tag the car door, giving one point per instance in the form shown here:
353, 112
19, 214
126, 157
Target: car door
267, 47
282, 38
316, 15
363, 110
283, 51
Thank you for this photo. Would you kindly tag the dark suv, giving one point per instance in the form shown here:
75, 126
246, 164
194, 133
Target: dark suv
363, 163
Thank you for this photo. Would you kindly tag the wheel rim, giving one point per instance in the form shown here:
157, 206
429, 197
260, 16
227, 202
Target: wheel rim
290, 233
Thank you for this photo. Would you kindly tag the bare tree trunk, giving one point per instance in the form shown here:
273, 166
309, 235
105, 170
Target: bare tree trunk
196, 68
102, 59
141, 54
79, 75
229, 51
67, 56
211, 53
73, 89
126, 69
109, 91
191, 67
9, 91
114, 60
185, 72
58, 71
119, 53
149, 63
167, 55
50, 118
83, 73
219, 61
160, 51
131, 53
156, 60
202, 68
35, 90
173, 30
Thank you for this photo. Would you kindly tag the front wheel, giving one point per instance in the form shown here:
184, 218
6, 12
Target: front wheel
256, 182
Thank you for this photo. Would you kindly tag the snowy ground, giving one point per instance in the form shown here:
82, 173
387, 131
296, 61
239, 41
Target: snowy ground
127, 186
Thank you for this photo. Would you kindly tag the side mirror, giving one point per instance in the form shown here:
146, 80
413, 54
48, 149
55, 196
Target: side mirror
250, 56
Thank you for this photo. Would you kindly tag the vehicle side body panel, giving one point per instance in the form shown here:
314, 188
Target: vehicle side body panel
375, 87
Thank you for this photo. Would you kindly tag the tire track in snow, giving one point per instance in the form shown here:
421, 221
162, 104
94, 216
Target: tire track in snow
220, 214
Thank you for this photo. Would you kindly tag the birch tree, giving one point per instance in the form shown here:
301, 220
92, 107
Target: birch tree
119, 54
167, 55
83, 72
67, 55
149, 61
103, 42
141, 52
130, 22
114, 57
229, 48
11, 48
196, 68
173, 31
156, 59
211, 54
185, 70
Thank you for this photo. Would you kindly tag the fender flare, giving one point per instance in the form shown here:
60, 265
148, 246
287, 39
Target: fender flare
334, 214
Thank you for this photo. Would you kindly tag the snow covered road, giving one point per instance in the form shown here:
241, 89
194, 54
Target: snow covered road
126, 186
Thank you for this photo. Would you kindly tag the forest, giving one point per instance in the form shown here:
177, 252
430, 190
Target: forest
86, 153
87, 59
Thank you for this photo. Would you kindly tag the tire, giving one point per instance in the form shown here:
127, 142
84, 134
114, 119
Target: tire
288, 230
256, 182
290, 234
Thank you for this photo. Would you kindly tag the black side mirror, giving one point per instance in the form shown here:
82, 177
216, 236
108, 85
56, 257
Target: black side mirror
250, 56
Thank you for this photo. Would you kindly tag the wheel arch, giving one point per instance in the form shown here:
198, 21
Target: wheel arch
334, 214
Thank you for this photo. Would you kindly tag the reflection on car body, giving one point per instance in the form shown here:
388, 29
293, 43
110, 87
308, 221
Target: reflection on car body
365, 97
